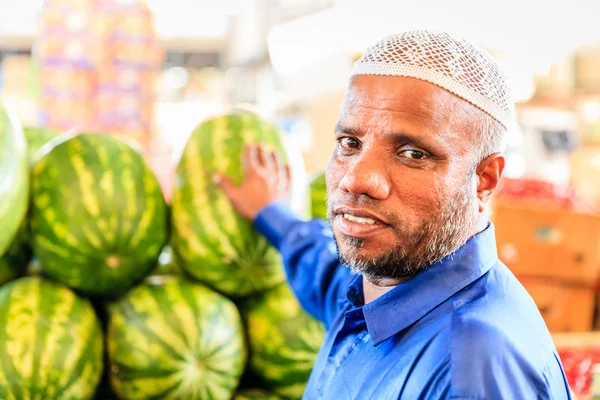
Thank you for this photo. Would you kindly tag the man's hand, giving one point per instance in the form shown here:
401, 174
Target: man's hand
266, 180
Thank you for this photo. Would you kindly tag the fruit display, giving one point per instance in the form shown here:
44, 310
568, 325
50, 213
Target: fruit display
284, 341
256, 394
318, 196
107, 292
216, 245
14, 261
51, 342
107, 234
580, 356
37, 137
14, 177
541, 192
175, 339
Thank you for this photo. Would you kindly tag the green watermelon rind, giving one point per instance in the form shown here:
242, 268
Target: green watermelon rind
14, 177
256, 394
51, 342
13, 264
174, 338
284, 341
216, 245
37, 138
318, 196
99, 228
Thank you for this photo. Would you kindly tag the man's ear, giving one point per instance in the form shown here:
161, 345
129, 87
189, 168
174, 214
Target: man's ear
488, 172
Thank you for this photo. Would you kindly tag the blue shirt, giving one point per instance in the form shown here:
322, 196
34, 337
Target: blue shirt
464, 328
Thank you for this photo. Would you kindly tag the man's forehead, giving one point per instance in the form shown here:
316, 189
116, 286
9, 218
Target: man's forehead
398, 97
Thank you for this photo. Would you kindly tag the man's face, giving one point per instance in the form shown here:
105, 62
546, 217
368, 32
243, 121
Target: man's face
400, 182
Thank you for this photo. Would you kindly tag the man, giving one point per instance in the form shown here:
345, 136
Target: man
424, 309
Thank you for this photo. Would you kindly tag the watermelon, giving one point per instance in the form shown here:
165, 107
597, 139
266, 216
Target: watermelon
175, 339
256, 394
14, 178
13, 263
318, 196
50, 340
98, 218
218, 246
167, 264
284, 341
37, 137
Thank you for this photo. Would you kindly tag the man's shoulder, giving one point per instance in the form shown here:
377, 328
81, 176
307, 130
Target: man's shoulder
499, 339
496, 315
491, 360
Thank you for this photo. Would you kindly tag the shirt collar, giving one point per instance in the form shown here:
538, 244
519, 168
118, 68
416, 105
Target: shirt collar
411, 300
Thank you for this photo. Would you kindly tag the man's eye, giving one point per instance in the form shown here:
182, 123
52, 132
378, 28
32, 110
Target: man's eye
349, 143
414, 154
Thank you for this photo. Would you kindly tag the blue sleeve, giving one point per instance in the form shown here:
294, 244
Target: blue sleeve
309, 256
488, 363
556, 381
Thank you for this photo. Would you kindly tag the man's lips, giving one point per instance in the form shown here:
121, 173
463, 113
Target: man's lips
360, 215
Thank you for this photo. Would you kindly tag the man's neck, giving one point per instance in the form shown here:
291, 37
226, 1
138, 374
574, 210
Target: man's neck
374, 289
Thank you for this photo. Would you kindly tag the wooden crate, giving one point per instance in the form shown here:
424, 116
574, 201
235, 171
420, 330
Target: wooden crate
564, 307
547, 241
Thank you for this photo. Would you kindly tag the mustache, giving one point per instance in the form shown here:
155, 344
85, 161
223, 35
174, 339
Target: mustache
359, 202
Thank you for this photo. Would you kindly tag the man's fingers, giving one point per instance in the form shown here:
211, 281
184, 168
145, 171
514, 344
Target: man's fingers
287, 178
246, 157
226, 184
263, 156
253, 157
271, 161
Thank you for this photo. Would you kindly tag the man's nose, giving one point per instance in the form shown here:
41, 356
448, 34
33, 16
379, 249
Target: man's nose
367, 176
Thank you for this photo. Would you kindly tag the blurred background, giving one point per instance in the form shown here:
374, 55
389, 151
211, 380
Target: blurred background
152, 70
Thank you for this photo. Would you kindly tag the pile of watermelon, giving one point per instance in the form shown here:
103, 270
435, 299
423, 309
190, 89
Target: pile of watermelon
318, 196
107, 292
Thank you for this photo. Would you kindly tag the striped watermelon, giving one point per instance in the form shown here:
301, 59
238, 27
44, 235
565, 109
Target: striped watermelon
318, 196
50, 341
284, 341
216, 245
14, 178
256, 394
175, 339
98, 218
37, 137
13, 263
167, 264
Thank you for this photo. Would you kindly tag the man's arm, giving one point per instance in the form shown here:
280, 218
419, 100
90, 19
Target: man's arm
307, 247
309, 256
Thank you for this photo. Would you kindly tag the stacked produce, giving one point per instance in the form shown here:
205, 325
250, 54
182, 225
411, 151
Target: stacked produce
131, 298
544, 193
14, 177
318, 196
218, 246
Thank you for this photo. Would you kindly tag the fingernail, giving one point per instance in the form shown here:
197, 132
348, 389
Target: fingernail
217, 178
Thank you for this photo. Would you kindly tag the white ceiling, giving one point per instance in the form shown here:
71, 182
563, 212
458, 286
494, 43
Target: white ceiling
197, 24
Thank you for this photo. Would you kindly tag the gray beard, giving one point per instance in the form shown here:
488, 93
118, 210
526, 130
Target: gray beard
444, 233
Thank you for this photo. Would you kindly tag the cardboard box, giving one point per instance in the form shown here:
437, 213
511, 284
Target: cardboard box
565, 308
550, 242
585, 172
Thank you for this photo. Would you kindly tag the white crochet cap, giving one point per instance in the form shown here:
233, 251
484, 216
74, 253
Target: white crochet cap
448, 62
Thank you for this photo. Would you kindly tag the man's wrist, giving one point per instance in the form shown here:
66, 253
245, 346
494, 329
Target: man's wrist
273, 220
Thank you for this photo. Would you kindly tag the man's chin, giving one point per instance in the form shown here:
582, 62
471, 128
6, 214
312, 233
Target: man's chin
360, 251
